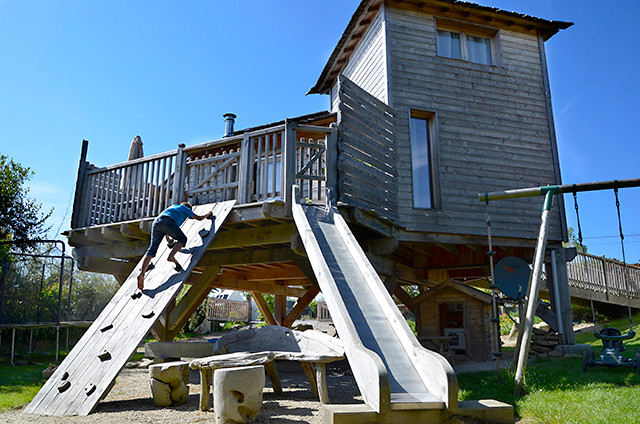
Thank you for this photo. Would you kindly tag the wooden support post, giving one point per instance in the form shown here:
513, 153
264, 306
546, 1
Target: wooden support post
289, 165
264, 308
79, 200
178, 178
307, 367
332, 160
191, 300
300, 306
280, 308
244, 170
205, 394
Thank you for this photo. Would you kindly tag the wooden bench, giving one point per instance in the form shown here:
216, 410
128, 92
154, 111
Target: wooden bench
265, 345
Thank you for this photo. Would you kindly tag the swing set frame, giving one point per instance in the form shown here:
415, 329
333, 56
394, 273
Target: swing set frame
522, 350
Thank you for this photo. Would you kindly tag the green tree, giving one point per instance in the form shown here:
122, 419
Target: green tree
20, 217
574, 242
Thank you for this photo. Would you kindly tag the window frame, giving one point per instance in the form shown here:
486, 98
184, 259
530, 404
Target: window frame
434, 165
464, 30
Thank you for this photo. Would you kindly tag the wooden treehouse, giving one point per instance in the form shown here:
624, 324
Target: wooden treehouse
431, 103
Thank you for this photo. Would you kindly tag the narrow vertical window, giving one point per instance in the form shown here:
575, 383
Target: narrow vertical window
421, 162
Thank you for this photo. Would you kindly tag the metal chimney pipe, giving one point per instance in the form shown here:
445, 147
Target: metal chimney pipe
229, 120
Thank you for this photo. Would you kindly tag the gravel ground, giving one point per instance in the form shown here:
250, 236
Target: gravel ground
130, 401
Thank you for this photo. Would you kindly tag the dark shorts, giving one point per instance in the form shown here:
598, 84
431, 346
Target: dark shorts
163, 225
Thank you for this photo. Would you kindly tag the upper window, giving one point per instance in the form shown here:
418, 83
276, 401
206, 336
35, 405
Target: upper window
465, 42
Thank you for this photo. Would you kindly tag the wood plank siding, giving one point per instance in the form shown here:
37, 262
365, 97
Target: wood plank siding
366, 151
492, 129
368, 66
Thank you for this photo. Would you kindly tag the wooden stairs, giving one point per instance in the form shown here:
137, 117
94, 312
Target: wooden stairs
87, 374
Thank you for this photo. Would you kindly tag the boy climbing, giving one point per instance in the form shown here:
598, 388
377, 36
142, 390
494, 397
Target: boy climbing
167, 225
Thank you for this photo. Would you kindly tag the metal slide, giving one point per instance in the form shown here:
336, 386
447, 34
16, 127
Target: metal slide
89, 371
392, 370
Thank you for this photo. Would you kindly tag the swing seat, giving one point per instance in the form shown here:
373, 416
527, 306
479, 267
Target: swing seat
612, 338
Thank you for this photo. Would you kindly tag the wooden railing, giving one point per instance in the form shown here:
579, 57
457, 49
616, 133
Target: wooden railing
599, 274
228, 310
254, 167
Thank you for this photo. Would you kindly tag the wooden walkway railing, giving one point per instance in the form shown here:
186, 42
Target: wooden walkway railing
228, 310
601, 275
253, 167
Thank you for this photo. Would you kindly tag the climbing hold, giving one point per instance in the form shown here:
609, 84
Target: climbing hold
171, 244
65, 376
491, 253
64, 386
136, 295
106, 328
203, 233
89, 389
150, 267
178, 268
149, 315
104, 355
212, 217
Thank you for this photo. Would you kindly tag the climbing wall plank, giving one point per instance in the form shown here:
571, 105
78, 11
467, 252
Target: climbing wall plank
88, 372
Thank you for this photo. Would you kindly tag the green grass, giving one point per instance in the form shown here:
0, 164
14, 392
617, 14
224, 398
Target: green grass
19, 384
558, 392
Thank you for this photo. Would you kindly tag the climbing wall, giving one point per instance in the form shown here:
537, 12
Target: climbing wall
89, 371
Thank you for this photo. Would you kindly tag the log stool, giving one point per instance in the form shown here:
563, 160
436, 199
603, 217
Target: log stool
237, 393
169, 383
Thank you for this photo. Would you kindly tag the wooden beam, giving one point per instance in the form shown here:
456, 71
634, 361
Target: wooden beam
131, 249
258, 287
254, 256
132, 230
191, 300
264, 308
110, 233
389, 267
300, 306
287, 273
383, 246
105, 266
249, 237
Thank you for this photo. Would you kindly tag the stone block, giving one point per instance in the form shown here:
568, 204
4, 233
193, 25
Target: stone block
169, 383
237, 393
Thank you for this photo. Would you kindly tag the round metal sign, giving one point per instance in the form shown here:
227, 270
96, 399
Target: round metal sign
512, 277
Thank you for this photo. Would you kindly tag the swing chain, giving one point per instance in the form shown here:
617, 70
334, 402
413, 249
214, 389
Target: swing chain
624, 260
575, 202
495, 339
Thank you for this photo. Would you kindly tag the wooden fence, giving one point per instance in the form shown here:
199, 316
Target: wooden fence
602, 275
253, 167
366, 151
228, 310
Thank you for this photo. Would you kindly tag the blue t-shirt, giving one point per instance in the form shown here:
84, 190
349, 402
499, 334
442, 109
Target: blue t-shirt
178, 213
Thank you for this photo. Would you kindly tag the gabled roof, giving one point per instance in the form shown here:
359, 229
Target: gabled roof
454, 9
463, 288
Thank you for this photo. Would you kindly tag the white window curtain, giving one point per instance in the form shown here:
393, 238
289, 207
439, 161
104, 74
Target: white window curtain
479, 49
449, 44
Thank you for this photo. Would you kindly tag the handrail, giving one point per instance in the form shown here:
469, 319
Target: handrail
251, 167
603, 275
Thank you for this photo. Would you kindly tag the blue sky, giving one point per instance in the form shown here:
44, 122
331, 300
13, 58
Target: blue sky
168, 71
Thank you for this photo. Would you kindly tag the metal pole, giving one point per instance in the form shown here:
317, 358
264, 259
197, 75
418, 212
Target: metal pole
13, 343
556, 288
566, 188
532, 297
